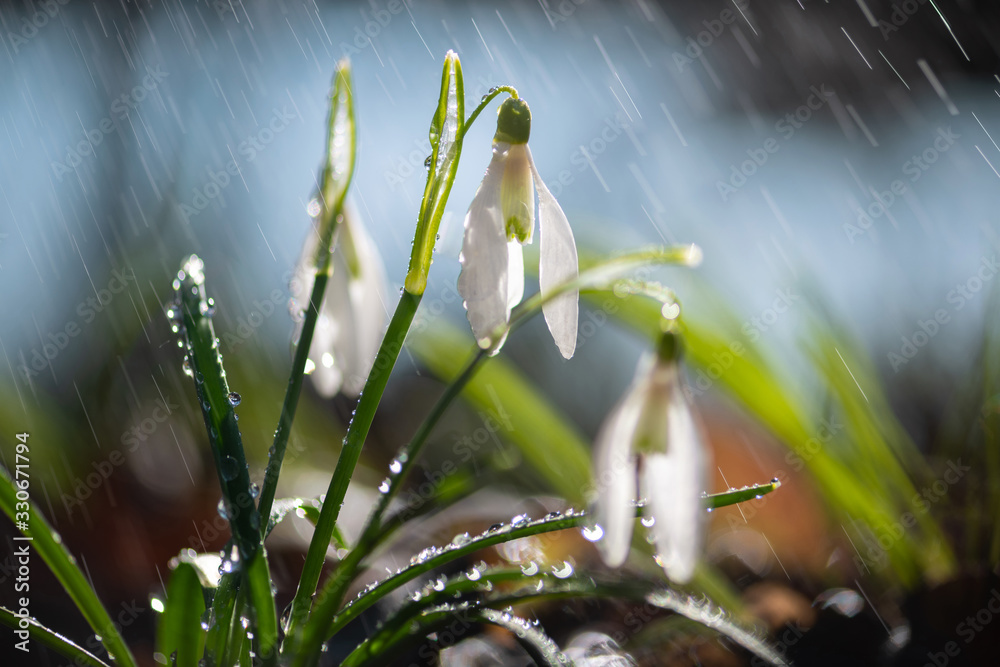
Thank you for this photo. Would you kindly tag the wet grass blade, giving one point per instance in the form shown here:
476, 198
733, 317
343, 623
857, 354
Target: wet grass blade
502, 588
51, 639
47, 543
204, 360
436, 557
179, 632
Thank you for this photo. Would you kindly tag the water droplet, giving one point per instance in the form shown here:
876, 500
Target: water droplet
709, 509
207, 308
234, 399
395, 467
384, 486
310, 367
495, 527
648, 521
229, 468
563, 572
460, 539
519, 521
474, 574
592, 533
223, 512
530, 569
186, 366
427, 162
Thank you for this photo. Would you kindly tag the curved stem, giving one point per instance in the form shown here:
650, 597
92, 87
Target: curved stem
487, 98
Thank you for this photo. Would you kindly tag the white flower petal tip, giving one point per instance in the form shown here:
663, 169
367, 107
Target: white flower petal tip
557, 265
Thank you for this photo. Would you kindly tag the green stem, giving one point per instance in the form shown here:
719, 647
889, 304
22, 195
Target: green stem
292, 392
357, 432
487, 98
338, 171
334, 591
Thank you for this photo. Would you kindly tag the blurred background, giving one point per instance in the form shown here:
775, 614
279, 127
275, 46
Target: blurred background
837, 162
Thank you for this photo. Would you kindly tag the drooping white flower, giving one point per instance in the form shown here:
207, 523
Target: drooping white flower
650, 443
353, 314
500, 220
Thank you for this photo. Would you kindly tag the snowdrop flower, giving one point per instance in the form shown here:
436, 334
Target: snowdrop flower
353, 315
500, 220
650, 443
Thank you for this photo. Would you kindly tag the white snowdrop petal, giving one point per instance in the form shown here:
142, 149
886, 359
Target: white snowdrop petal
326, 379
615, 473
558, 264
515, 275
674, 481
367, 298
483, 281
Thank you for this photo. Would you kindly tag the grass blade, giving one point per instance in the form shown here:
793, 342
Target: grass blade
44, 541
51, 639
204, 360
433, 558
179, 628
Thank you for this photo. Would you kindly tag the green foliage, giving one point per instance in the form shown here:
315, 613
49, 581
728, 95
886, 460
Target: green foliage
230, 618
